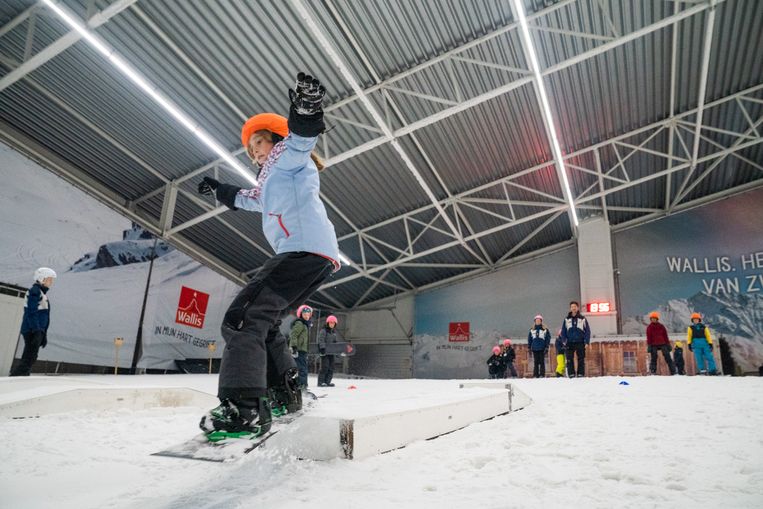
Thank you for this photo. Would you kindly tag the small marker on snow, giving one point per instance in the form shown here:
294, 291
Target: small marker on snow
623, 382
351, 387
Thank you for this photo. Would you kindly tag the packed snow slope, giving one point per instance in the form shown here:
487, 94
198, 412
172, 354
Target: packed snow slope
657, 442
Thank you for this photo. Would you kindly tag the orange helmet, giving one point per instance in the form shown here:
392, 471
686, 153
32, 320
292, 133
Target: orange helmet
654, 314
264, 121
696, 315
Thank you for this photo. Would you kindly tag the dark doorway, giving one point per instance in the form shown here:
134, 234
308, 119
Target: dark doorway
727, 360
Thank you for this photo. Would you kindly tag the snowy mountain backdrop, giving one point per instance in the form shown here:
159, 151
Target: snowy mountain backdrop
738, 317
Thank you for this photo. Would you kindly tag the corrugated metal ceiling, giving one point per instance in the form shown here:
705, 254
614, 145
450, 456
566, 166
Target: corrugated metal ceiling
222, 61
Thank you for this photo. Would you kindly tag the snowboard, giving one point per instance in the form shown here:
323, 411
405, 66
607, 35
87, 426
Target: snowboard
201, 449
341, 349
230, 449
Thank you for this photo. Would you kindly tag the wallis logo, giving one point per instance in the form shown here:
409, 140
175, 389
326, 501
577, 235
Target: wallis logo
192, 307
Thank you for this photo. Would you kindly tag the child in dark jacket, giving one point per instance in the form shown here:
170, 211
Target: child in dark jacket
538, 340
34, 326
678, 358
508, 358
495, 364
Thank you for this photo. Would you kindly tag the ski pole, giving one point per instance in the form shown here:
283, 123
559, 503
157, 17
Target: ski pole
211, 346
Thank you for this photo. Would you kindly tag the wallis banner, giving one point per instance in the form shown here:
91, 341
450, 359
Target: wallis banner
707, 260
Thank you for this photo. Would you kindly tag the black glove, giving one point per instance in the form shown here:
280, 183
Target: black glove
322, 351
648, 348
691, 348
44, 342
225, 193
306, 111
711, 347
208, 185
294, 352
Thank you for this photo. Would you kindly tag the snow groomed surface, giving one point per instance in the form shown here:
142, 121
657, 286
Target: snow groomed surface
657, 442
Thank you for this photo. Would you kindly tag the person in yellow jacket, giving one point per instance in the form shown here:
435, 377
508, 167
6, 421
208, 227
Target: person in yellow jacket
701, 343
561, 353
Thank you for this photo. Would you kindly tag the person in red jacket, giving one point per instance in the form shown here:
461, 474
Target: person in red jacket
657, 341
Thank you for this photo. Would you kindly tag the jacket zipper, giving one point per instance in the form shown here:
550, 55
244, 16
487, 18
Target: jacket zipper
280, 223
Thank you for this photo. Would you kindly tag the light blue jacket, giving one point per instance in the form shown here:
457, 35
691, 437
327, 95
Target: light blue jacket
293, 215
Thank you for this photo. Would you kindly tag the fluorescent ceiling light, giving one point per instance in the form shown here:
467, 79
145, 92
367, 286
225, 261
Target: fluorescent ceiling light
156, 95
98, 43
535, 68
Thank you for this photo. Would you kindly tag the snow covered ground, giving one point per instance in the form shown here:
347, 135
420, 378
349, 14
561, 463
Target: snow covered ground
658, 442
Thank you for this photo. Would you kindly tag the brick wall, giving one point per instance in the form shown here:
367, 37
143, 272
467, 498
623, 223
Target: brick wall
608, 358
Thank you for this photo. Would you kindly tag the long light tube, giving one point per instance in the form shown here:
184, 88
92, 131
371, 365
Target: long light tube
99, 44
157, 96
535, 68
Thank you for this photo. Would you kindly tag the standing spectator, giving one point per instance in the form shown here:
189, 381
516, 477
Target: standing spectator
538, 340
495, 364
657, 341
701, 343
34, 325
508, 358
299, 340
561, 348
327, 336
678, 358
576, 335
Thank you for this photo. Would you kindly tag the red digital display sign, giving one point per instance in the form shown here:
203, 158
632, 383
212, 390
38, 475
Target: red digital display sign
598, 307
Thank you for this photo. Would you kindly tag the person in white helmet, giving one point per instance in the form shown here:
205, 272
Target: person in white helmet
34, 326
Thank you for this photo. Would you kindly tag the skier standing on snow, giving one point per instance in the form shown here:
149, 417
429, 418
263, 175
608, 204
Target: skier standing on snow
561, 348
299, 341
508, 354
657, 341
327, 336
36, 320
538, 340
495, 364
701, 343
256, 362
678, 358
576, 334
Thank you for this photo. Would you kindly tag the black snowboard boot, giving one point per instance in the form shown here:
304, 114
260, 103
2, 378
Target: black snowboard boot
229, 419
286, 397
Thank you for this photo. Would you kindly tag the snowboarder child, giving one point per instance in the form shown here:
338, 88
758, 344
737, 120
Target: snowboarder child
508, 353
538, 340
495, 364
678, 358
34, 324
299, 339
701, 343
657, 341
576, 335
257, 370
327, 336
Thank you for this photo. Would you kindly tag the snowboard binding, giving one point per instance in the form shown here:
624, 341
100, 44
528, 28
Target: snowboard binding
286, 397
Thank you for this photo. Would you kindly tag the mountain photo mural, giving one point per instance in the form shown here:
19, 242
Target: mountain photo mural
707, 260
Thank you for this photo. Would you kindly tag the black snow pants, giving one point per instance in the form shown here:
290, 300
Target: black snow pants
539, 364
665, 349
579, 350
32, 343
256, 353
